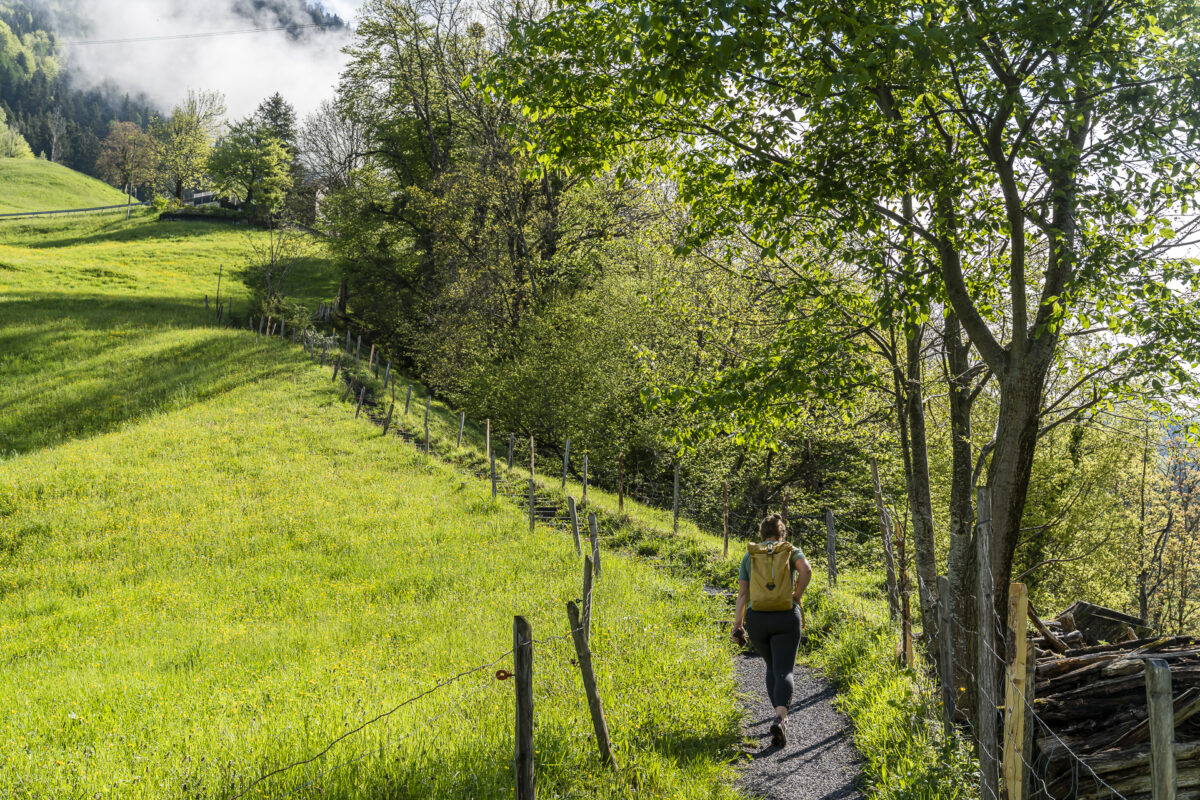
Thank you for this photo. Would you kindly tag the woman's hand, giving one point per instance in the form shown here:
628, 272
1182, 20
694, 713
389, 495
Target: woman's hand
738, 634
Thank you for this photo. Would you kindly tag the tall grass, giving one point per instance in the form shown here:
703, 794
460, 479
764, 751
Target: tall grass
895, 710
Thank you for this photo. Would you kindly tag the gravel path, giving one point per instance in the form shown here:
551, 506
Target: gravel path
818, 763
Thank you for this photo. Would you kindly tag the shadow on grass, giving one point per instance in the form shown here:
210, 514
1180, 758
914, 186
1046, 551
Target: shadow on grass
72, 367
138, 229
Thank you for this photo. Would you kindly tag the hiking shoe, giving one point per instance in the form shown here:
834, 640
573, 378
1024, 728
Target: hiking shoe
779, 733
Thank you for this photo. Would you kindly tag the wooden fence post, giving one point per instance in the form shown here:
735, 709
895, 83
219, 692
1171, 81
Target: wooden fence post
220, 272
566, 461
621, 484
595, 537
336, 366
784, 510
725, 519
985, 624
675, 502
589, 589
407, 399
347, 341
426, 423
349, 389
523, 670
462, 420
905, 608
830, 547
1162, 729
585, 478
362, 393
492, 459
387, 373
357, 348
584, 656
574, 514
512, 440
531, 504
388, 422
371, 359
1013, 764
946, 643
885, 528
487, 440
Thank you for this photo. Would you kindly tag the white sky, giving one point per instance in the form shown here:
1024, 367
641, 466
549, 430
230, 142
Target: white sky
244, 67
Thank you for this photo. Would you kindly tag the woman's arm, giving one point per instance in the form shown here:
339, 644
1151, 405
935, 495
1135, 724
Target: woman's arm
803, 576
739, 613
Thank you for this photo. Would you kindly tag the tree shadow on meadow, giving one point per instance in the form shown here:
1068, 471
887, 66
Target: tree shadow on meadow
73, 367
119, 231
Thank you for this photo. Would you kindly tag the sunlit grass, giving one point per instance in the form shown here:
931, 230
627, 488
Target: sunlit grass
209, 568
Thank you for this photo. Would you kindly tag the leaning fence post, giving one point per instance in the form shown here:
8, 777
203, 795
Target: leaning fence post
725, 519
584, 656
1162, 729
595, 537
574, 514
336, 366
387, 373
362, 393
407, 399
986, 670
349, 389
566, 461
946, 642
371, 359
462, 420
675, 503
1013, 765
387, 423
830, 547
523, 672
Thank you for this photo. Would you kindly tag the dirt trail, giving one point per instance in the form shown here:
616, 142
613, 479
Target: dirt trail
818, 762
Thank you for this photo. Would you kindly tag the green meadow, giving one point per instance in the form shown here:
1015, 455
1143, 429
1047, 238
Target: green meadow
209, 569
34, 184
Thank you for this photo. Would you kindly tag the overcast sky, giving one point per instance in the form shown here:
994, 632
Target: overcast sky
244, 67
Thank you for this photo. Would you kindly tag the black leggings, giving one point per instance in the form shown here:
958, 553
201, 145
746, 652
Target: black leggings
776, 637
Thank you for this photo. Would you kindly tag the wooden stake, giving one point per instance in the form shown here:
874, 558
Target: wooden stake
784, 513
407, 399
362, 392
532, 455
675, 503
985, 623
725, 519
371, 360
595, 537
347, 341
426, 423
946, 642
492, 459
1014, 693
566, 462
357, 348
336, 366
531, 504
512, 440
349, 389
487, 440
905, 609
589, 585
220, 272
387, 373
1162, 729
462, 420
885, 529
830, 547
387, 423
584, 656
585, 478
574, 513
523, 669
621, 484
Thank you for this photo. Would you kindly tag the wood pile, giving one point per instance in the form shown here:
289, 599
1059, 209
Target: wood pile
1093, 701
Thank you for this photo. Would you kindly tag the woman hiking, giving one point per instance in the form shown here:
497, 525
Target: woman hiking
773, 577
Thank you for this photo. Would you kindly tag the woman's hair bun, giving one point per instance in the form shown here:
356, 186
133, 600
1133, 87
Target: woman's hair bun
773, 527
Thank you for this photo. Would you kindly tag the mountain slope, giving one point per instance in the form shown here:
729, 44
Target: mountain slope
28, 184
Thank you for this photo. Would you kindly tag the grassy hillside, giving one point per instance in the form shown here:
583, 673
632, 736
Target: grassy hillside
209, 569
37, 185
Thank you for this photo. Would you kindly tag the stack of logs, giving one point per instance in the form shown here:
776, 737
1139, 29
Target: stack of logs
1093, 739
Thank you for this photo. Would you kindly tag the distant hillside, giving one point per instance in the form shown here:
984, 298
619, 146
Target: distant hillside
35, 185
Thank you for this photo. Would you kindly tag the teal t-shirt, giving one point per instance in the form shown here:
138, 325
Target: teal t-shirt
744, 572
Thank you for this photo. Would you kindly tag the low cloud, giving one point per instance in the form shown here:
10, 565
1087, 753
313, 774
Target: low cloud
245, 67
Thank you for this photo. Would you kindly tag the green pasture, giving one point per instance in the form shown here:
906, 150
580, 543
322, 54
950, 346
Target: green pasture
209, 569
34, 184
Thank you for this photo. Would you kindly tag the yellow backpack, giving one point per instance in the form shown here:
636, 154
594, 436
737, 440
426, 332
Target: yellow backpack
771, 576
